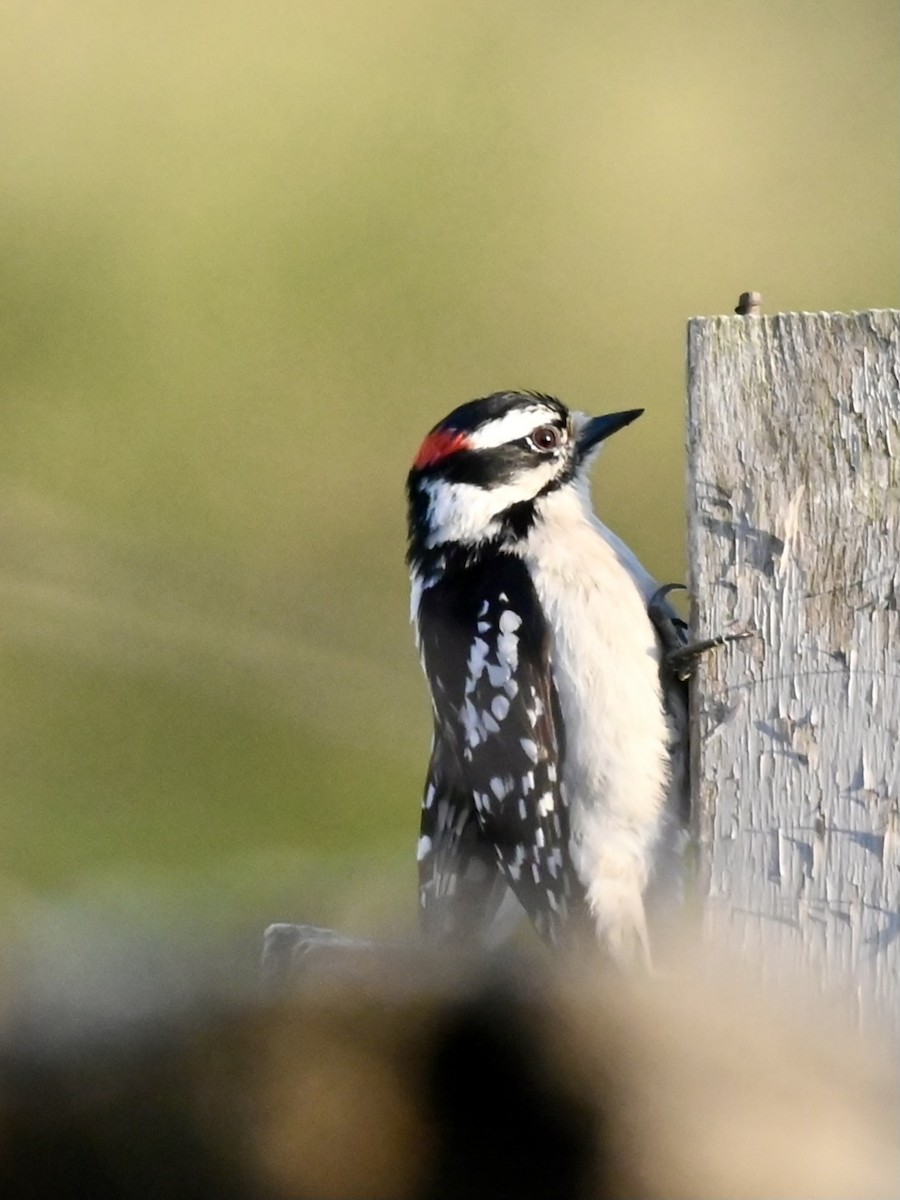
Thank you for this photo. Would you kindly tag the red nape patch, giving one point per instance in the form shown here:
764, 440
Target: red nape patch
438, 445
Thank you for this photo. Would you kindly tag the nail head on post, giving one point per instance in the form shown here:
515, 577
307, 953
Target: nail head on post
749, 305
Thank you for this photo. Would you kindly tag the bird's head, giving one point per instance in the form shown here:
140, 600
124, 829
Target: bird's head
480, 474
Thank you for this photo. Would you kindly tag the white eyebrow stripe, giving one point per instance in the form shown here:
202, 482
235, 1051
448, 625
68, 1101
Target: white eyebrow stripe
514, 425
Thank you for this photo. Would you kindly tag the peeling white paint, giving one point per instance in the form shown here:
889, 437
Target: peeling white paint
794, 534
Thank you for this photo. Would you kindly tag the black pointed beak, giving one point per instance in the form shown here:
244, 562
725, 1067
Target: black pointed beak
598, 429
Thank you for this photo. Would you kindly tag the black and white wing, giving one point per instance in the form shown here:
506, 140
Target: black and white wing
493, 803
460, 883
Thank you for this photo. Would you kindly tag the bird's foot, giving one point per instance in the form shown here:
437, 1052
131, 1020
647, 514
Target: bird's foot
681, 656
683, 660
670, 628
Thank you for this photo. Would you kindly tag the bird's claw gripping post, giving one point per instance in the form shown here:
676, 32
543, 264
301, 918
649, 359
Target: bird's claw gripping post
682, 656
683, 661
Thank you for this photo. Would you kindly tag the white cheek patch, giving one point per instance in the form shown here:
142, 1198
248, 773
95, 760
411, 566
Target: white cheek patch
465, 512
512, 426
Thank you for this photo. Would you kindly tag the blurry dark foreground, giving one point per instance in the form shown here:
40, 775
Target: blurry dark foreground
391, 1074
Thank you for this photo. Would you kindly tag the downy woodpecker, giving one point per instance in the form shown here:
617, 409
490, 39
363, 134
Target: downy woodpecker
558, 766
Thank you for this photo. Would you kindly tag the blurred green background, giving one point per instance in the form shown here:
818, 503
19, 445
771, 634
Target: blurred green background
250, 253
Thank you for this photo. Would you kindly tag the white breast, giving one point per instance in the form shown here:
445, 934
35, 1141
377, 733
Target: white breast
605, 662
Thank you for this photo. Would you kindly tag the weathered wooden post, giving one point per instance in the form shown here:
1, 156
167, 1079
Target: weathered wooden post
794, 495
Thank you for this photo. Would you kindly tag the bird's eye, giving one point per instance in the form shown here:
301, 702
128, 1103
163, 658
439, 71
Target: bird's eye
546, 437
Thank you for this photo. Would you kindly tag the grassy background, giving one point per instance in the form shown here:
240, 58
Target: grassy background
248, 255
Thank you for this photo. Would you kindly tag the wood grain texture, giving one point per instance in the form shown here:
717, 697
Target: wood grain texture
794, 492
